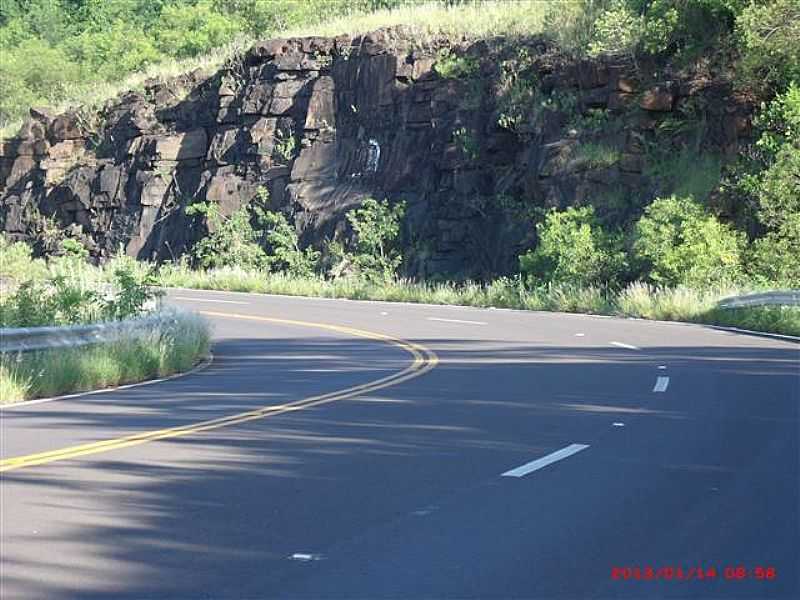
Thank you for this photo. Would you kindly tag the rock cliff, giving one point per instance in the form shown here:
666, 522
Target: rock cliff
475, 151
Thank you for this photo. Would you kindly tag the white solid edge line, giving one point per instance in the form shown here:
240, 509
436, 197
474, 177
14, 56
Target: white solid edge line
540, 463
626, 346
192, 371
661, 384
208, 300
457, 321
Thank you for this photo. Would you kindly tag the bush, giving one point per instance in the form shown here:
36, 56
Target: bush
189, 29
452, 66
774, 258
771, 53
23, 86
617, 31
283, 253
69, 299
16, 261
377, 228
776, 188
574, 250
231, 241
271, 245
114, 51
632, 27
678, 242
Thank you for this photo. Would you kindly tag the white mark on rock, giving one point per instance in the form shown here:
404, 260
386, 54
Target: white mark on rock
374, 156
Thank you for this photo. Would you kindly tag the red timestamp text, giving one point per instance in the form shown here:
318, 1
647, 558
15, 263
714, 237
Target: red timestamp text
692, 573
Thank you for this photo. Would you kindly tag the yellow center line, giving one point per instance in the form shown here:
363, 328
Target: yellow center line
424, 361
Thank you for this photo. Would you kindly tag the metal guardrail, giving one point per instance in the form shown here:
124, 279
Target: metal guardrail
776, 298
26, 339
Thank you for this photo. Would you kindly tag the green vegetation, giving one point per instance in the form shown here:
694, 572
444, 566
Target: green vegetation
597, 156
87, 51
452, 66
231, 240
577, 266
705, 229
681, 244
376, 225
172, 347
66, 290
685, 172
574, 250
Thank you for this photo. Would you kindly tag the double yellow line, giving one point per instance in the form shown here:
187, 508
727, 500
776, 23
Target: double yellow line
424, 361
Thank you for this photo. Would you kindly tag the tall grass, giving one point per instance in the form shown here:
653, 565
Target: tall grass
179, 342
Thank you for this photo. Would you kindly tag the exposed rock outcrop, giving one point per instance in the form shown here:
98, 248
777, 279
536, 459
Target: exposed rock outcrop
323, 123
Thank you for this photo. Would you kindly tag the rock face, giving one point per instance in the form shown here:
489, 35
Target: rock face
324, 123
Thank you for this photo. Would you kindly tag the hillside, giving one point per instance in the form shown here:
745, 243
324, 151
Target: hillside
479, 136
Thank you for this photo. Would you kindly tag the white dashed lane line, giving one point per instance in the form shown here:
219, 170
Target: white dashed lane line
457, 321
661, 384
540, 463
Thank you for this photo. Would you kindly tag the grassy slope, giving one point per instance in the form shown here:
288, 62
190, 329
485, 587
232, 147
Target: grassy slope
520, 17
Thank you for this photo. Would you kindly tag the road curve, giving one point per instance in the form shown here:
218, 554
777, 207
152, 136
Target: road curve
341, 449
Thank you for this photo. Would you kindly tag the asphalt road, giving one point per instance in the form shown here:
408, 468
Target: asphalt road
493, 454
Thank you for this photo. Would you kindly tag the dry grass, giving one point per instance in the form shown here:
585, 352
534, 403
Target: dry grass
472, 21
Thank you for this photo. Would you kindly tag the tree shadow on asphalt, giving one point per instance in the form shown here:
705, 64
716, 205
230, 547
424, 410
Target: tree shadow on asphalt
218, 514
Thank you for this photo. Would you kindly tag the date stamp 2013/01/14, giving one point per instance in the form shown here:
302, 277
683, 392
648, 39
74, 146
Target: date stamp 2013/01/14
692, 573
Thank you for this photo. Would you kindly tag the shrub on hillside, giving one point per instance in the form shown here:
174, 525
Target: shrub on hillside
375, 255
284, 254
575, 250
678, 242
769, 33
231, 241
631, 27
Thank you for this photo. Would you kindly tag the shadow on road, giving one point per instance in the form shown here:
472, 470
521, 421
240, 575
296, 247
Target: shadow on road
218, 514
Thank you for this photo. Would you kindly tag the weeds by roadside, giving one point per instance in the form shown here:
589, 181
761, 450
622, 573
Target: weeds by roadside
68, 291
174, 346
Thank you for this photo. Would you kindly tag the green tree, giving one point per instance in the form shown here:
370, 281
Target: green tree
769, 34
574, 249
231, 241
189, 29
23, 86
377, 228
283, 247
775, 186
678, 242
114, 51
